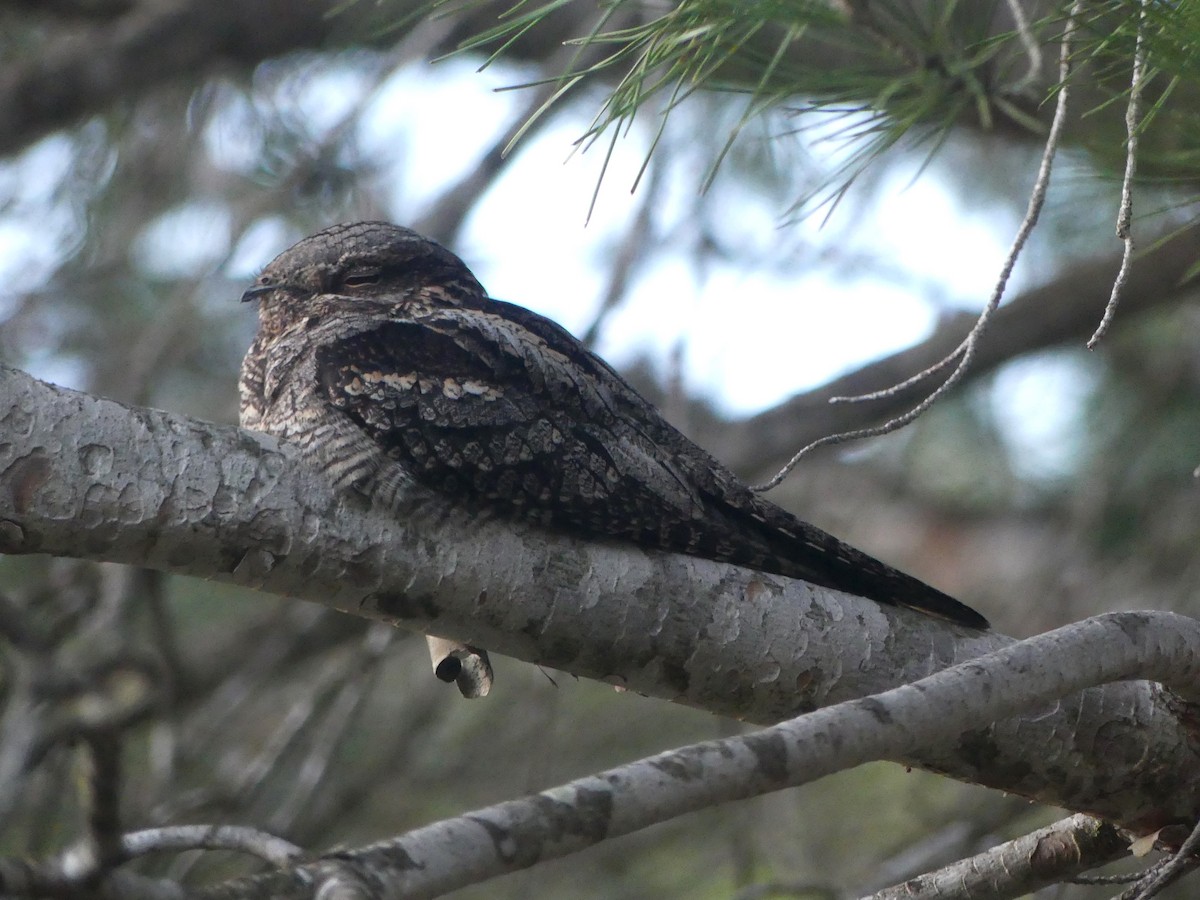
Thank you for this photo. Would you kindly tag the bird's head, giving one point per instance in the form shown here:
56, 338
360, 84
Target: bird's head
364, 262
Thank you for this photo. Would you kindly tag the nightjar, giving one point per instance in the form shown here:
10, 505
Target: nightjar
382, 357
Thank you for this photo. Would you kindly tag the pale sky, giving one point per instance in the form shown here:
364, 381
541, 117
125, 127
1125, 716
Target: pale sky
750, 338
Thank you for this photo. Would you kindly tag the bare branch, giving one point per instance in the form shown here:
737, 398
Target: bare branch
177, 838
1133, 116
519, 833
1047, 856
1181, 863
179, 495
1029, 43
84, 74
102, 790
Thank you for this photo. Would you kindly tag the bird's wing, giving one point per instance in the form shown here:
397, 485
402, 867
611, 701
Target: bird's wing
504, 409
477, 406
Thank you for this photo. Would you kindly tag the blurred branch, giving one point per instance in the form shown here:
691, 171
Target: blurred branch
331, 731
259, 658
77, 74
404, 744
949, 843
1029, 43
20, 878
15, 628
1133, 124
281, 648
247, 778
65, 878
102, 797
197, 499
803, 890
108, 696
631, 254
1059, 310
23, 723
84, 9
81, 73
84, 74
177, 838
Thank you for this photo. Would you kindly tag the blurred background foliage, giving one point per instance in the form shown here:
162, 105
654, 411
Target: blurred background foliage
158, 152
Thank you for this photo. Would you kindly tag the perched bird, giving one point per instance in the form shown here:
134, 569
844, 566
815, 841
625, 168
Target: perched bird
384, 359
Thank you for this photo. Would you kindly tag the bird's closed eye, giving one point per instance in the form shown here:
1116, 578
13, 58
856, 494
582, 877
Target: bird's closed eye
361, 278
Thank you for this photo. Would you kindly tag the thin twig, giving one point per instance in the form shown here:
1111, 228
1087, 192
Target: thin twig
966, 350
907, 382
247, 779
241, 838
1124, 878
1133, 114
1175, 868
257, 663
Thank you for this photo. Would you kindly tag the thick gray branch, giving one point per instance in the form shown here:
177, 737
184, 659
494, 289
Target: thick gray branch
85, 477
1033, 861
519, 833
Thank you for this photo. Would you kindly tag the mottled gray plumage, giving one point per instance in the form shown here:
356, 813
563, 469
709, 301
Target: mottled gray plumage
380, 354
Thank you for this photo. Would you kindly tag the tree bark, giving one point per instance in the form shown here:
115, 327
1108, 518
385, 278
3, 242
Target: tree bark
90, 478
